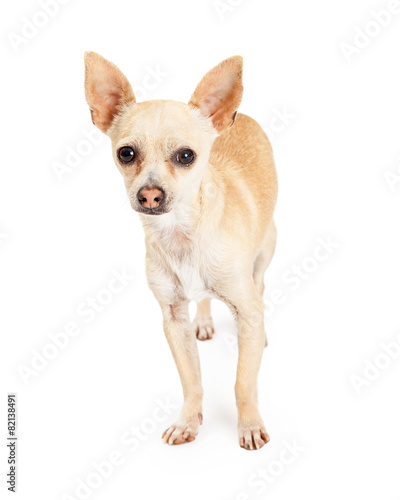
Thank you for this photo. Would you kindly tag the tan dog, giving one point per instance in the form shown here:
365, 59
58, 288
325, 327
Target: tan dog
206, 192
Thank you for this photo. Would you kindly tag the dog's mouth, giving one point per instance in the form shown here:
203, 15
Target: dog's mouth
164, 209
153, 211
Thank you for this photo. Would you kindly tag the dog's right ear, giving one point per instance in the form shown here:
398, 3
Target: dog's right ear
107, 90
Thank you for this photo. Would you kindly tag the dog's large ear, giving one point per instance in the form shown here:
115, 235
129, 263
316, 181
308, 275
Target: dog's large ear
106, 88
219, 93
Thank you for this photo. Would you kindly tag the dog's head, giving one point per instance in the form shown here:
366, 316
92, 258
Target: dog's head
161, 147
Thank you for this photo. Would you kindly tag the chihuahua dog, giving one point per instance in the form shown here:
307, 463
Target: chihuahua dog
203, 180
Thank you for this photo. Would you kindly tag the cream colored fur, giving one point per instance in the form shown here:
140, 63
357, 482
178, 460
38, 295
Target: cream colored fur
217, 236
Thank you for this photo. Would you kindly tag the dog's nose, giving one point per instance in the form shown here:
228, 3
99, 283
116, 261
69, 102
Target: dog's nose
151, 197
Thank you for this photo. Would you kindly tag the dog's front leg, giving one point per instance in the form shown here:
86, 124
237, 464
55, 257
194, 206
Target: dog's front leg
249, 311
182, 341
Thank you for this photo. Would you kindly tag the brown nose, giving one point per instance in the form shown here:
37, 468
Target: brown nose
150, 197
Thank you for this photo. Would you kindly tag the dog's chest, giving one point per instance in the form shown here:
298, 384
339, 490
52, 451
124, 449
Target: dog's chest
188, 259
192, 282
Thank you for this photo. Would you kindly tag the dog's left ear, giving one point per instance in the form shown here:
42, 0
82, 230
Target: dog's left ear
219, 93
106, 88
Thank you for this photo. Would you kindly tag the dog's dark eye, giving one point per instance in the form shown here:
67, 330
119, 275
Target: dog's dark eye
185, 156
126, 154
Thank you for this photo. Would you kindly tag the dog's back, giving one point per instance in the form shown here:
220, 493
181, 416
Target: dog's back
243, 158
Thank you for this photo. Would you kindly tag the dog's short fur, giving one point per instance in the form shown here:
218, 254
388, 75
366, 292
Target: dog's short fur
208, 223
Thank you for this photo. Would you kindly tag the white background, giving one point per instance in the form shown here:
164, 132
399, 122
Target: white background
61, 240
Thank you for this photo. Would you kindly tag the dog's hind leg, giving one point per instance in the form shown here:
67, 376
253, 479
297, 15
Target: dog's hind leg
203, 323
264, 257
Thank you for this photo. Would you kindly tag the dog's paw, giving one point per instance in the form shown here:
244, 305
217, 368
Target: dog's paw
183, 431
204, 327
252, 437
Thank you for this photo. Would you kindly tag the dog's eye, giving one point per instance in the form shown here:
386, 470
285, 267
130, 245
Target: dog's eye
185, 156
126, 154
